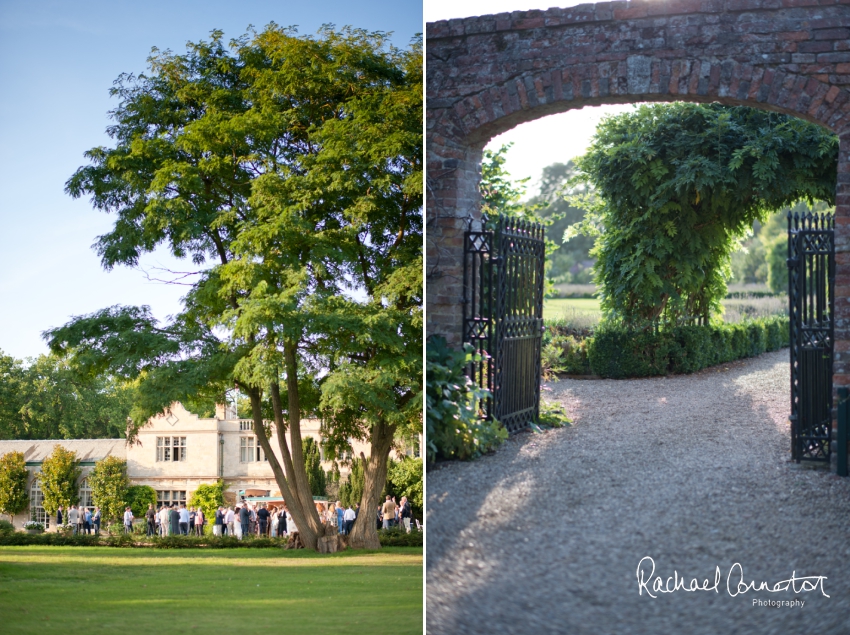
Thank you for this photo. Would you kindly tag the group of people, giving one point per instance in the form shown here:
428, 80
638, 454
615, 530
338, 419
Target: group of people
240, 521
249, 520
83, 519
392, 514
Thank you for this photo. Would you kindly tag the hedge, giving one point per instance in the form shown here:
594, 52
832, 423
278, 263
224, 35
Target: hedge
388, 538
617, 353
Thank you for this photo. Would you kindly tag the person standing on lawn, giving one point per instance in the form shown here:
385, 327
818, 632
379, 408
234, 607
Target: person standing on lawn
218, 522
87, 522
174, 521
184, 520
244, 519
191, 521
263, 516
59, 515
282, 527
340, 518
348, 519
405, 514
150, 516
199, 522
163, 521
73, 517
388, 511
95, 519
229, 519
128, 521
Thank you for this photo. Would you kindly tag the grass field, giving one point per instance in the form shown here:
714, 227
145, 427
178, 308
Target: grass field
107, 590
586, 310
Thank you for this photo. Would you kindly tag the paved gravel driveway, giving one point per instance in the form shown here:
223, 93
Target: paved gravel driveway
545, 535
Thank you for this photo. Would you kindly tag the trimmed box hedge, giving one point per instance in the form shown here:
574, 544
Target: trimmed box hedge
617, 353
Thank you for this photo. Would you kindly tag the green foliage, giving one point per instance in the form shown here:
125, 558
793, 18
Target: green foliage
6, 528
288, 170
209, 497
405, 478
552, 415
619, 353
58, 479
14, 496
676, 185
138, 497
315, 474
563, 352
455, 429
45, 398
351, 491
398, 537
109, 487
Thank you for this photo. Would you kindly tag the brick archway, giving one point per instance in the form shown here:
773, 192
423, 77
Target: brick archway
487, 74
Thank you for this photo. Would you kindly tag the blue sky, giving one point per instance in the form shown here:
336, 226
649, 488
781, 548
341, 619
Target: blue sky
57, 63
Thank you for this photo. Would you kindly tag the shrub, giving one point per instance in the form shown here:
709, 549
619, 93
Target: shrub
209, 497
58, 479
13, 483
617, 353
455, 429
138, 497
109, 483
6, 528
398, 537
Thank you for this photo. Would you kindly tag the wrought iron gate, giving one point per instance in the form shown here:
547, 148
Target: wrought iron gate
811, 283
503, 316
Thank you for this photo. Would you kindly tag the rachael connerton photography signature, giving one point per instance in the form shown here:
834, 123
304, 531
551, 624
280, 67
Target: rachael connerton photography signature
735, 582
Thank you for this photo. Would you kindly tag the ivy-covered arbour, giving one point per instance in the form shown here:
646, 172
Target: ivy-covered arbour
675, 186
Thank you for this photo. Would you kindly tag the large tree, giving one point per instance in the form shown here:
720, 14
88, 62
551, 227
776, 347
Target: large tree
676, 186
287, 169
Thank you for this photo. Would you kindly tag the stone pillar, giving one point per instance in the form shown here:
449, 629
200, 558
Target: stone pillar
453, 173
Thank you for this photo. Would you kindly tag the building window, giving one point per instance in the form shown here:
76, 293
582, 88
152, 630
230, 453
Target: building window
37, 512
246, 450
85, 494
171, 448
170, 497
261, 453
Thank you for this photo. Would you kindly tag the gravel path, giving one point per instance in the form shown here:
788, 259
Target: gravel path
545, 535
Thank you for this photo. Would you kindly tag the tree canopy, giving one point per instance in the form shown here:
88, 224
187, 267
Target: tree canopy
45, 398
287, 170
675, 185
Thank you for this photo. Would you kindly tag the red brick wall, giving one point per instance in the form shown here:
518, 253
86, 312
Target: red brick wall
488, 74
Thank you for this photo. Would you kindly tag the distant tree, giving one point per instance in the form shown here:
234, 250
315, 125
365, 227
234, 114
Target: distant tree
138, 497
405, 478
14, 497
209, 497
313, 462
109, 483
58, 479
351, 490
46, 398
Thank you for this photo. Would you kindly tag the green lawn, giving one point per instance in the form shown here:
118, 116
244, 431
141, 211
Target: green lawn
555, 308
109, 590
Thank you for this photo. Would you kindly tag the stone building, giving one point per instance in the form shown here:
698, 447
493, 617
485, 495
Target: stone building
174, 453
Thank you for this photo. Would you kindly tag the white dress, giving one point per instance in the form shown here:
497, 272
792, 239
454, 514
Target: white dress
291, 528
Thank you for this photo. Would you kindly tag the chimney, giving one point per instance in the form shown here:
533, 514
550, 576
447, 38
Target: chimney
221, 411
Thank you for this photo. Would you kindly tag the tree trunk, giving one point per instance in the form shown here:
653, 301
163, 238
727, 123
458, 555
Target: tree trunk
364, 534
302, 485
309, 536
